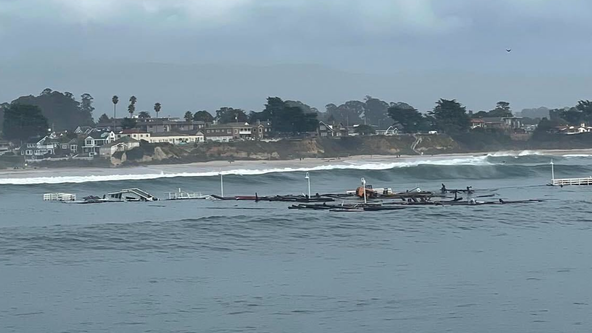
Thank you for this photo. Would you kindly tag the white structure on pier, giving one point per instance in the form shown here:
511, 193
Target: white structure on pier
568, 181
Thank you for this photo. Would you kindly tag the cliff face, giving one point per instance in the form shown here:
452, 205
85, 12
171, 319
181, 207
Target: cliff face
149, 153
435, 144
288, 149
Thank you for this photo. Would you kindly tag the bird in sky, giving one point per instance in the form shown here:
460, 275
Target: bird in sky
508, 50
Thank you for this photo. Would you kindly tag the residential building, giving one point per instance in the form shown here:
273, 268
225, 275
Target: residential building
477, 123
261, 130
570, 130
177, 138
83, 130
36, 148
230, 132
5, 147
497, 123
124, 144
165, 125
71, 145
134, 133
335, 130
95, 140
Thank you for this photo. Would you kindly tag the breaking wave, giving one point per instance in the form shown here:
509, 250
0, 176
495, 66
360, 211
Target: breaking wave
496, 165
334, 165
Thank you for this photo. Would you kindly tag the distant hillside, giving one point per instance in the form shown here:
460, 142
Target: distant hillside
183, 88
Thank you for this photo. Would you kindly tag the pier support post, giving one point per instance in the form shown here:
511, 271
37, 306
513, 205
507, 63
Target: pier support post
307, 177
221, 185
552, 173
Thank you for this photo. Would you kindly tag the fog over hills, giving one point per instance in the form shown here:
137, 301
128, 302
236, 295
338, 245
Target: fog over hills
196, 87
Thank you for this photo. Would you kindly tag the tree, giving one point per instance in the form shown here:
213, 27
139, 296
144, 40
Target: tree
227, 115
365, 130
22, 122
104, 118
144, 115
188, 116
293, 120
305, 107
204, 116
331, 119
573, 116
502, 109
132, 106
157, 108
544, 128
128, 123
86, 103
288, 117
3, 107
376, 112
349, 113
481, 114
61, 109
115, 100
450, 117
408, 117
585, 106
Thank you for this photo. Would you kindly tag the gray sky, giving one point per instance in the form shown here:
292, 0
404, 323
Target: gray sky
447, 48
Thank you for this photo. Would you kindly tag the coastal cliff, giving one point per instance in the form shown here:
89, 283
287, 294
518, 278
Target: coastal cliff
287, 149
163, 153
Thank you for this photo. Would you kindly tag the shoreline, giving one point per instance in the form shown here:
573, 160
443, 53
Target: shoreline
213, 168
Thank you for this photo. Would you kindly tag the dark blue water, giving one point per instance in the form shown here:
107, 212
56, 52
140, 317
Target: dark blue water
214, 266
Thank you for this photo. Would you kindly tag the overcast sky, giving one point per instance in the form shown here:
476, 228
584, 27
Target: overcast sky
431, 37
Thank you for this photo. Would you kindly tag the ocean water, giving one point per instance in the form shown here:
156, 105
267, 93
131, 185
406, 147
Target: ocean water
226, 266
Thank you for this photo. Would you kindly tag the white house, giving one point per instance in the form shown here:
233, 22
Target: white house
37, 148
121, 145
95, 140
177, 138
135, 134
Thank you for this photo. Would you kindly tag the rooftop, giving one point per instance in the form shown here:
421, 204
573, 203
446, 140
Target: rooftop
230, 125
167, 134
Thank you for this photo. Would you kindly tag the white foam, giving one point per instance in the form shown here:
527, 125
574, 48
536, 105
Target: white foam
515, 153
576, 155
365, 165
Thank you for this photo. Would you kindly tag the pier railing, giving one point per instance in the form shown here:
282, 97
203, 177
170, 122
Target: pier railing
572, 181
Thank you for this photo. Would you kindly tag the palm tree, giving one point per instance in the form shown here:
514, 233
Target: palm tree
132, 107
115, 100
157, 108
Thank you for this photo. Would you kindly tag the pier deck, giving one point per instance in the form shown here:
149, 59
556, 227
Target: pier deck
572, 181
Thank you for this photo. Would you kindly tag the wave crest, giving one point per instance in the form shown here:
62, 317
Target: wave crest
346, 165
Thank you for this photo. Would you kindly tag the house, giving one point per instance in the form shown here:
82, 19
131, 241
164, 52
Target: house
497, 123
229, 132
95, 140
177, 138
5, 147
571, 130
335, 130
71, 146
134, 133
83, 130
124, 144
165, 125
38, 148
111, 125
261, 130
477, 123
